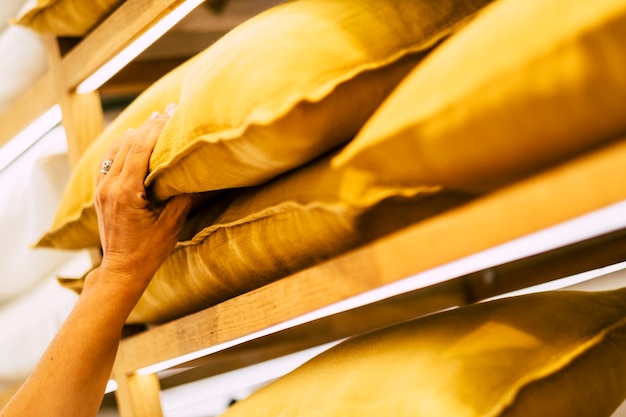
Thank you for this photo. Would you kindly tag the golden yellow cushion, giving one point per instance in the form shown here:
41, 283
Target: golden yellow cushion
67, 17
290, 84
557, 354
75, 225
274, 93
525, 85
251, 237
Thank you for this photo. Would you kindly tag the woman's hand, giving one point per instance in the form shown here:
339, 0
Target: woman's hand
136, 234
136, 237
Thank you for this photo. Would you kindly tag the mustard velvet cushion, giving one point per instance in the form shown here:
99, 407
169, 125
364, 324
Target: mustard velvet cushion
525, 85
277, 91
555, 354
67, 17
251, 237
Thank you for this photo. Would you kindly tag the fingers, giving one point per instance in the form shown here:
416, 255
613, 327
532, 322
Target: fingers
110, 155
132, 230
131, 152
138, 147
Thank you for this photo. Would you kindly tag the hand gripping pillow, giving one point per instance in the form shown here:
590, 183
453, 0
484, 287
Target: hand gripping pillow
277, 91
527, 84
252, 236
75, 225
559, 354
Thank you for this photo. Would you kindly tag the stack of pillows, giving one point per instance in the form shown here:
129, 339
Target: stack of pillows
259, 114
436, 103
429, 120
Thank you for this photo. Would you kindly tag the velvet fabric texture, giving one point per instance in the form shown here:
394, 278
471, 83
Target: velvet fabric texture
558, 354
67, 17
276, 92
527, 84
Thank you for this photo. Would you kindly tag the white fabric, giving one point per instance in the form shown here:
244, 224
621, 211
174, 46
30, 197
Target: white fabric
29, 323
30, 190
23, 57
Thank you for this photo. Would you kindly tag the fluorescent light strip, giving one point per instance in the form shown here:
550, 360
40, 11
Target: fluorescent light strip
202, 392
112, 67
566, 282
594, 224
27, 137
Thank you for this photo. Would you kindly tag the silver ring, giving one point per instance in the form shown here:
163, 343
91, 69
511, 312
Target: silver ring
106, 166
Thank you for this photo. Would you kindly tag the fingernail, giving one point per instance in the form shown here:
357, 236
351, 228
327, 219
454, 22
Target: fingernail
169, 110
154, 115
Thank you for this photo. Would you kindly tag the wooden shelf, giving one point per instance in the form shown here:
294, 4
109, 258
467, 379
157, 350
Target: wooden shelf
564, 193
124, 25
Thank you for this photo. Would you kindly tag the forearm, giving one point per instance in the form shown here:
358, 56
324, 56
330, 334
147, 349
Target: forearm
72, 375
136, 237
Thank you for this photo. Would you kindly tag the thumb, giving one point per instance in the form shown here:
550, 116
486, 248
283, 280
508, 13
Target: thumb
177, 208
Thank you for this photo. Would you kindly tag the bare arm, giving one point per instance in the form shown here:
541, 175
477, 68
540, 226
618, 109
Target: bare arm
136, 236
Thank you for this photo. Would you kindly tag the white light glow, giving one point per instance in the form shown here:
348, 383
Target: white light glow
195, 398
594, 224
112, 67
27, 137
566, 282
111, 386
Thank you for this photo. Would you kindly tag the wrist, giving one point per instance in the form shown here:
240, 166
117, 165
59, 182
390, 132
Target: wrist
115, 291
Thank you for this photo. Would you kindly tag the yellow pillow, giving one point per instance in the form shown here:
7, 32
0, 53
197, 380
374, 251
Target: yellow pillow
251, 237
274, 93
555, 354
67, 17
525, 85
291, 84
75, 225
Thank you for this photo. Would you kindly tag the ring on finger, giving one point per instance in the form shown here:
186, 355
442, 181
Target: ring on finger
106, 166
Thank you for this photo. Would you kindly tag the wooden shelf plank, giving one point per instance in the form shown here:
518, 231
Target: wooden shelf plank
562, 262
328, 329
590, 183
32, 103
124, 25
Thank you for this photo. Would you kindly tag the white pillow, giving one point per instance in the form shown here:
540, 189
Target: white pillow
31, 191
29, 323
24, 58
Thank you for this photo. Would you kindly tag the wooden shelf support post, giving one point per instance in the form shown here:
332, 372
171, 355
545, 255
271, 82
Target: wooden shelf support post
137, 395
82, 114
